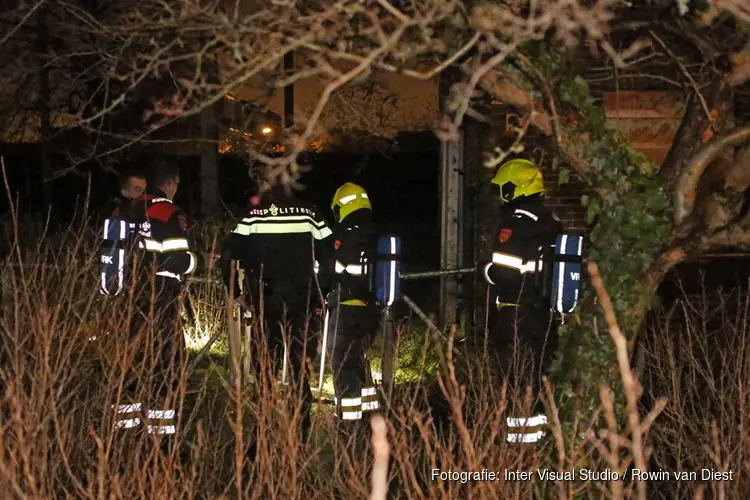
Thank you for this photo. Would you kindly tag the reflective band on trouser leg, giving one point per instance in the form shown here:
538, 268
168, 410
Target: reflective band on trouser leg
351, 408
353, 269
161, 421
126, 416
526, 429
370, 399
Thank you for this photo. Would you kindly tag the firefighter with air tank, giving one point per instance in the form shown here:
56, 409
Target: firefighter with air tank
522, 328
352, 315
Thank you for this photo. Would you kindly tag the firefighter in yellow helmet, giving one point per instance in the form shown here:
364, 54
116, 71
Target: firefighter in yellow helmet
520, 319
357, 316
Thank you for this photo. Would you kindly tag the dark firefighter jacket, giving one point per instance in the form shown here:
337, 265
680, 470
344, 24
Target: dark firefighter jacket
527, 230
353, 241
118, 206
114, 206
283, 240
162, 229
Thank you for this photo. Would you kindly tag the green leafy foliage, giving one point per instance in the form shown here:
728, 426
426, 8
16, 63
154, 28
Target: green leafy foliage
564, 176
631, 216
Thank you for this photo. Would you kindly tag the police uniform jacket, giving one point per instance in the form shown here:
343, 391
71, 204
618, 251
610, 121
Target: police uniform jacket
523, 241
162, 235
354, 246
282, 240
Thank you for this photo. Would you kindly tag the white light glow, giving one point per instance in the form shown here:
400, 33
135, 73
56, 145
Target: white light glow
266, 130
197, 340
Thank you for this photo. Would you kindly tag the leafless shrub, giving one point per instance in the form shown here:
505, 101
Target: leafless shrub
697, 357
59, 384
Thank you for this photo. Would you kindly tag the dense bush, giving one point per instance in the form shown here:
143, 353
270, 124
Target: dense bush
64, 355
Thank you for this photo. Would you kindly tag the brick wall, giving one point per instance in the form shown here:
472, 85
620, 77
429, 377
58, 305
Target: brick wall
565, 200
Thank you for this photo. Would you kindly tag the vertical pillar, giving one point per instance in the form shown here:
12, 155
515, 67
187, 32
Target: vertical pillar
473, 286
288, 92
209, 161
451, 237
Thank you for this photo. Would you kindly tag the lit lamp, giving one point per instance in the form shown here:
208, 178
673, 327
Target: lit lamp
266, 130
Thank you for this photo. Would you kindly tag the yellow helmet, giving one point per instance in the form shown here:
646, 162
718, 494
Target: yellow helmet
349, 198
518, 178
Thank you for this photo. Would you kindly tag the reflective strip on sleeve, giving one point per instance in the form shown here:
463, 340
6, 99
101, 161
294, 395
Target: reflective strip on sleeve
525, 438
487, 273
351, 415
160, 414
161, 429
291, 224
353, 269
527, 214
513, 262
193, 263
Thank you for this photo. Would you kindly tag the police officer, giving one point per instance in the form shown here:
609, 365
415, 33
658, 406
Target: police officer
520, 317
351, 329
167, 261
278, 244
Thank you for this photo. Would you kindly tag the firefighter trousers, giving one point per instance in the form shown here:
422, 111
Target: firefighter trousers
350, 335
152, 387
523, 341
285, 313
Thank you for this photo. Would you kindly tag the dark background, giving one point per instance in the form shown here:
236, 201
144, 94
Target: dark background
403, 185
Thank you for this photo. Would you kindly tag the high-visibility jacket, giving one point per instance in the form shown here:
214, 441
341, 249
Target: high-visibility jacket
353, 242
527, 231
162, 233
282, 240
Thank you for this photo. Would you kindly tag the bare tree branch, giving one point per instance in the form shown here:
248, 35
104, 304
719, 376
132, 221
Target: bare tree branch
689, 77
687, 184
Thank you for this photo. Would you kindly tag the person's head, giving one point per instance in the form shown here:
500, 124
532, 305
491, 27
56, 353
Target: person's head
518, 180
132, 184
348, 199
166, 178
